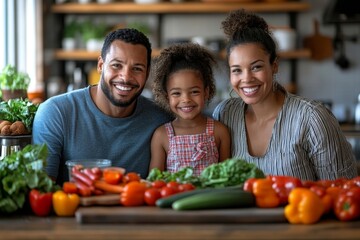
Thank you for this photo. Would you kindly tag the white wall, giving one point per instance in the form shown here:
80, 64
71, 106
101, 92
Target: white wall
325, 80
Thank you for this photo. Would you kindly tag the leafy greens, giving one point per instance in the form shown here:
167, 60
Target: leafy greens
230, 172
19, 173
18, 110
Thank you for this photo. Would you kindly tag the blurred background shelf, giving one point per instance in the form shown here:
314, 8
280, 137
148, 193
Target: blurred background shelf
186, 7
84, 55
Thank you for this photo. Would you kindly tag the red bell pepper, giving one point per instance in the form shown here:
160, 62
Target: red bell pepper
325, 197
248, 184
347, 205
283, 186
41, 203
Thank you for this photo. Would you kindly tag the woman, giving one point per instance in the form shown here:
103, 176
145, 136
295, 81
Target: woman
282, 133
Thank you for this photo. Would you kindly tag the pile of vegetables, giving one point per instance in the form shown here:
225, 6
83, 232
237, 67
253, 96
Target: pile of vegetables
230, 172
306, 202
17, 116
21, 172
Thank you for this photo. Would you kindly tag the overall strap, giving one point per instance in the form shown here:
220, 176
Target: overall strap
169, 129
210, 126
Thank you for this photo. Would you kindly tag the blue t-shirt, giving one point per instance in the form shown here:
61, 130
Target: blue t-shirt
74, 128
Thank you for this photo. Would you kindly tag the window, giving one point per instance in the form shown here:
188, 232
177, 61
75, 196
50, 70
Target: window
19, 23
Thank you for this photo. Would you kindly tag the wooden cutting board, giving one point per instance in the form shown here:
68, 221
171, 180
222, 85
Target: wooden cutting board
321, 46
146, 214
103, 200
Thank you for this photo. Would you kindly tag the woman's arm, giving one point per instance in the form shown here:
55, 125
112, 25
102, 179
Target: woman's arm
329, 149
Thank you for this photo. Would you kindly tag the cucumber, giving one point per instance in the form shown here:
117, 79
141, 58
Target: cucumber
167, 202
232, 198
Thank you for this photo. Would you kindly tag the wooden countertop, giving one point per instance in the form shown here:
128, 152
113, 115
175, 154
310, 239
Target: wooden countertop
31, 227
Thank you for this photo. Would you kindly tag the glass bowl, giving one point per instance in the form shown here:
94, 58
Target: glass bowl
87, 163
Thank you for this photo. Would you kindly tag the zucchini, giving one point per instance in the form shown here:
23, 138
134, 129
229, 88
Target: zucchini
231, 198
167, 202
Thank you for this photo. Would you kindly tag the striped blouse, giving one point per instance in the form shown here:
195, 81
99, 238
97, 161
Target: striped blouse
306, 140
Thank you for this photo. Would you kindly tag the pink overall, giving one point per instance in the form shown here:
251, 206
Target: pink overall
197, 151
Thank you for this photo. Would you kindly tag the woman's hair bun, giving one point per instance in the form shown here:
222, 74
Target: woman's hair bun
239, 20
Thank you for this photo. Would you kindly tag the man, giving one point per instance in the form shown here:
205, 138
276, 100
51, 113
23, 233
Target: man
109, 120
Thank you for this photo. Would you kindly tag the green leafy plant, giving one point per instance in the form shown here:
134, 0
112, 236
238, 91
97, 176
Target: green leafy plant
231, 172
18, 110
71, 29
91, 30
11, 79
140, 26
19, 173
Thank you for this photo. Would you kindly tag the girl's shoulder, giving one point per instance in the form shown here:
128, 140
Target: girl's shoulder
160, 132
219, 126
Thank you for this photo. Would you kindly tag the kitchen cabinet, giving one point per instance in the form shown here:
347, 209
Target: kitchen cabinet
291, 8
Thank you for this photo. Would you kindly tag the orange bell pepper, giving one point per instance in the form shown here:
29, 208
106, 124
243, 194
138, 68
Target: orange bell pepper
65, 204
265, 195
304, 207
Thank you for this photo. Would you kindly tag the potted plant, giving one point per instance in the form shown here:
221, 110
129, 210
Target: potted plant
69, 38
13, 84
144, 28
93, 35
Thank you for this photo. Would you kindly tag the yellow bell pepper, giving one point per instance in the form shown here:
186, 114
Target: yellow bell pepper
304, 207
65, 204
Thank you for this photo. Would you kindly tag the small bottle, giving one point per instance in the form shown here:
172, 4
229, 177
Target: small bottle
357, 112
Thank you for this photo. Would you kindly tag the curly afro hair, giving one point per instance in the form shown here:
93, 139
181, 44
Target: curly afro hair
190, 56
243, 27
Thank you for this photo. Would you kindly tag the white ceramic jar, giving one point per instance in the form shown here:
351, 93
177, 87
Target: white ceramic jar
285, 38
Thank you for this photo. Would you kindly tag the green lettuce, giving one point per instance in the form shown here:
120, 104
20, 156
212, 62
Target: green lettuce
19, 173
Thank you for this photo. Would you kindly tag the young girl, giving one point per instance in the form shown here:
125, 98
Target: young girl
183, 84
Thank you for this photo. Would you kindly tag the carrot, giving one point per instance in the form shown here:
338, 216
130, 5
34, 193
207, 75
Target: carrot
109, 188
70, 187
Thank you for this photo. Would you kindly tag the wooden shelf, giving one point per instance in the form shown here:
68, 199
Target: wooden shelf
83, 55
295, 54
190, 7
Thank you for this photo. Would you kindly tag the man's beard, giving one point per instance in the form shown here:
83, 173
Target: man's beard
106, 89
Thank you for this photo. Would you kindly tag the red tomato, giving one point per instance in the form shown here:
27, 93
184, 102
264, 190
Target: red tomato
151, 195
131, 177
133, 194
308, 183
158, 184
186, 187
112, 176
167, 191
174, 185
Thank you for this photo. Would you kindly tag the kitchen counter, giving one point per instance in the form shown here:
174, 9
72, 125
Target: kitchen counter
31, 227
